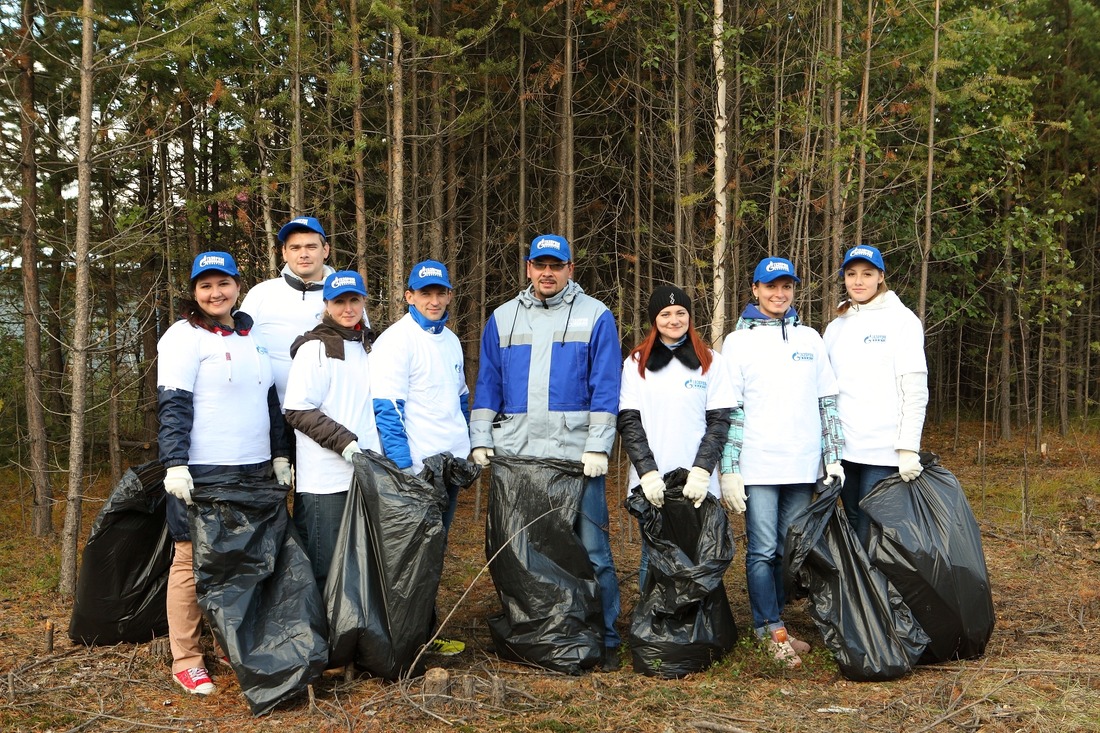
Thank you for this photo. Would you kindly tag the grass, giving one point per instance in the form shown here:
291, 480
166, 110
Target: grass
1038, 672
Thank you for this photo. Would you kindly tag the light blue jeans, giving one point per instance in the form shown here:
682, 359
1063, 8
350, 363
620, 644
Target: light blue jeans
768, 514
592, 528
859, 479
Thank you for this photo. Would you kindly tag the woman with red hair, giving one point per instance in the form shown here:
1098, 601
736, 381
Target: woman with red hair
674, 405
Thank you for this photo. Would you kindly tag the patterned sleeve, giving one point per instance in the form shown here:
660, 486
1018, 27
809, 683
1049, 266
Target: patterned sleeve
731, 451
832, 435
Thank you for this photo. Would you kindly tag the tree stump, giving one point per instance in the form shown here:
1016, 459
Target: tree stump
437, 687
469, 690
497, 692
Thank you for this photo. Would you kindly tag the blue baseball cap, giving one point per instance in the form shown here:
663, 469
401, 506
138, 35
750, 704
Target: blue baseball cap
301, 224
429, 272
550, 245
214, 262
343, 282
863, 252
773, 268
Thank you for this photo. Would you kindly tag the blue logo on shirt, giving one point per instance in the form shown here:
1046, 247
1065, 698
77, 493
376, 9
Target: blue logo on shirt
695, 384
802, 356
261, 350
875, 339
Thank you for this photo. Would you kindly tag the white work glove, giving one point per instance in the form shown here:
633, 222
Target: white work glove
281, 466
178, 483
595, 464
733, 491
481, 456
833, 472
350, 450
909, 465
697, 486
653, 486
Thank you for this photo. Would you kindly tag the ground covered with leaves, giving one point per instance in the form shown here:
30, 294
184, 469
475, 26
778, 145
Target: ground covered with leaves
1040, 672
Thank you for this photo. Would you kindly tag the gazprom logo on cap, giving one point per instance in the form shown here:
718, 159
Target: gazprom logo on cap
860, 252
802, 356
427, 271
339, 282
547, 243
777, 267
209, 260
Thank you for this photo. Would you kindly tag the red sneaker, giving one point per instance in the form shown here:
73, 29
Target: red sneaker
195, 680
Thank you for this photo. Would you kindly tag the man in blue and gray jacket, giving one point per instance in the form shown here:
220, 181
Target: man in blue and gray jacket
548, 387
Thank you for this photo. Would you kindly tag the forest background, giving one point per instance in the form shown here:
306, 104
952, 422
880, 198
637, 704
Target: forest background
669, 141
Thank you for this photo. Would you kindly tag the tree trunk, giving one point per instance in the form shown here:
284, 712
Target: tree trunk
737, 158
836, 197
521, 174
677, 152
82, 302
435, 174
397, 172
359, 166
718, 308
864, 107
42, 521
926, 244
297, 156
687, 150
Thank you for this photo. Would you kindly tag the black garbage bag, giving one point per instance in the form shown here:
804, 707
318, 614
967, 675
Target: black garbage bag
256, 588
682, 622
123, 582
925, 539
381, 589
861, 616
551, 613
444, 470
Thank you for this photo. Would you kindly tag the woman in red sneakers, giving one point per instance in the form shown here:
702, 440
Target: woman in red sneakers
219, 415
784, 429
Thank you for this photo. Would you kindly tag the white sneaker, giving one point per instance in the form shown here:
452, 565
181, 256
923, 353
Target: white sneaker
781, 649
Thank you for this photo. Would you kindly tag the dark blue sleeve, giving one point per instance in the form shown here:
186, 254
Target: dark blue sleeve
280, 444
176, 413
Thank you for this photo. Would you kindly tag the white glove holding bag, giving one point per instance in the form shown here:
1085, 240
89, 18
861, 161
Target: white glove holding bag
481, 456
595, 464
178, 483
833, 472
909, 465
653, 486
733, 491
697, 486
350, 450
281, 467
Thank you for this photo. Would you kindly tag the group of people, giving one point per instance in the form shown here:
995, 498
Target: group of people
756, 425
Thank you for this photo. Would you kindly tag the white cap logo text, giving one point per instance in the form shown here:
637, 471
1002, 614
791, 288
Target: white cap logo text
429, 272
777, 266
548, 244
339, 282
208, 260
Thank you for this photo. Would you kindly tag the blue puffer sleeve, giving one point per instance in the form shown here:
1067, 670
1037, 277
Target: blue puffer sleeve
489, 393
464, 405
176, 413
389, 416
604, 382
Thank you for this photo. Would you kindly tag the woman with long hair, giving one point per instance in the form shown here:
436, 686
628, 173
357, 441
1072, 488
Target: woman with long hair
219, 416
782, 431
876, 349
674, 405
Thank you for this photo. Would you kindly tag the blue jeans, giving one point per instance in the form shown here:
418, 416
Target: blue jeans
592, 527
452, 505
859, 479
768, 514
317, 518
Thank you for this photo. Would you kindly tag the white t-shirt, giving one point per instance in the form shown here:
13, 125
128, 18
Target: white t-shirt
229, 378
426, 371
340, 388
869, 349
779, 383
673, 403
281, 314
